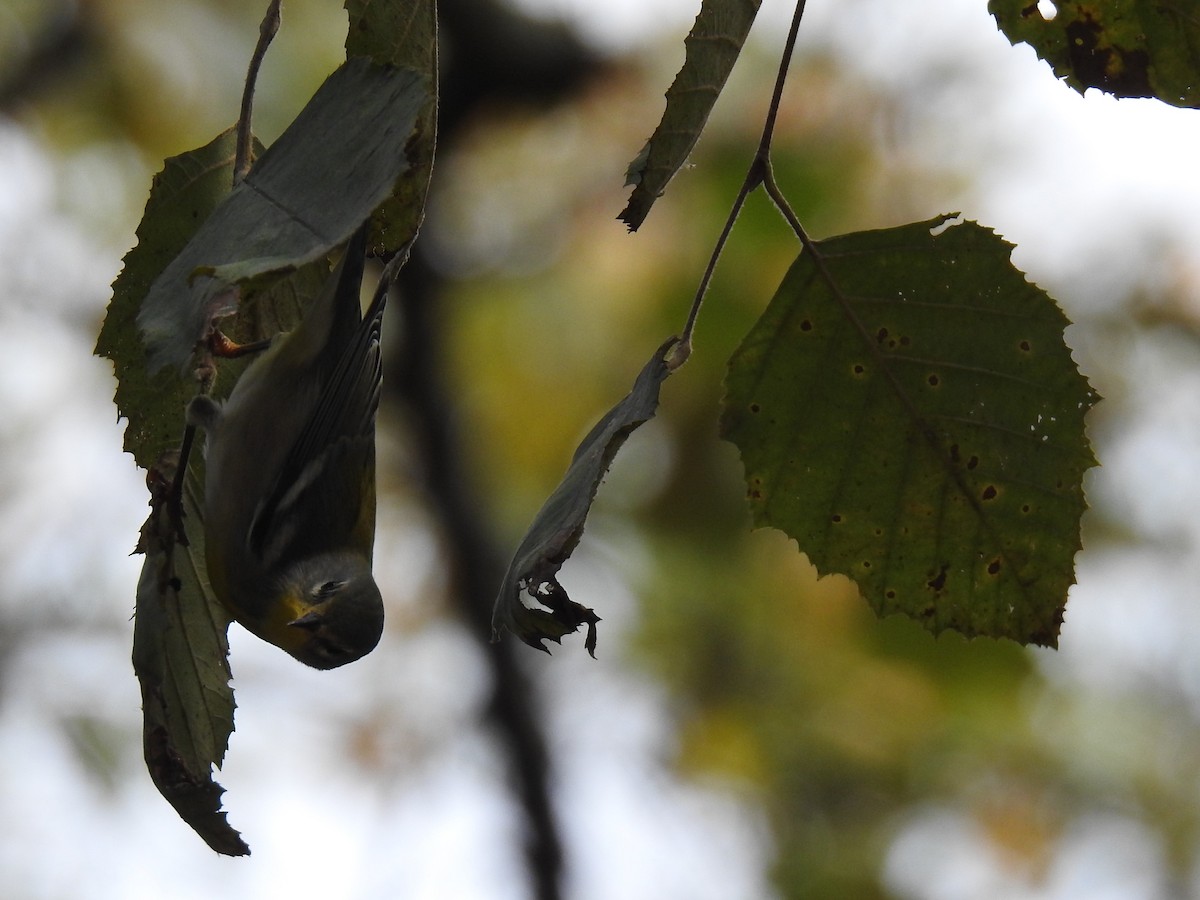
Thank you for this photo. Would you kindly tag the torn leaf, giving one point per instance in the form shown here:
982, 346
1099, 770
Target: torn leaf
558, 526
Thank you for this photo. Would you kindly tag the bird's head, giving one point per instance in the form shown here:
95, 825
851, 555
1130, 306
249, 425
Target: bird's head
340, 614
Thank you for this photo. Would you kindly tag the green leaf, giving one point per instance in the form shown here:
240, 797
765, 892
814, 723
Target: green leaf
182, 196
184, 193
405, 35
1129, 48
906, 409
712, 47
336, 163
398, 34
180, 657
558, 526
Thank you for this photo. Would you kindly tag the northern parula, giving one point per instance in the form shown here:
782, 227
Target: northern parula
289, 497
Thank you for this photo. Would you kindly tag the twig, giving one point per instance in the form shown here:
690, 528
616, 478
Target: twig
266, 33
771, 186
759, 171
241, 165
764, 144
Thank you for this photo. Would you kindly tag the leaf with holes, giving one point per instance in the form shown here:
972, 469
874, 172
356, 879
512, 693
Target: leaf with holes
907, 410
1129, 48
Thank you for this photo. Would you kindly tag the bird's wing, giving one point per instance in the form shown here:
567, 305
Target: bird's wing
329, 508
318, 487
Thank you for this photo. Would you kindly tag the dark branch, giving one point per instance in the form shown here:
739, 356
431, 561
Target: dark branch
492, 56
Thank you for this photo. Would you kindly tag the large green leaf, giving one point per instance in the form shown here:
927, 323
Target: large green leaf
906, 409
712, 47
328, 172
1129, 48
343, 156
179, 647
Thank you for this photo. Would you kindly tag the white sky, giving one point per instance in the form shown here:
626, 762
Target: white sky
1089, 188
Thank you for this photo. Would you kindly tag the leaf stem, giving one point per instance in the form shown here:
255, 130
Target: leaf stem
683, 349
758, 173
771, 186
266, 33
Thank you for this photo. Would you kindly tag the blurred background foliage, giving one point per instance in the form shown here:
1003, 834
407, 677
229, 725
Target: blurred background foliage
863, 757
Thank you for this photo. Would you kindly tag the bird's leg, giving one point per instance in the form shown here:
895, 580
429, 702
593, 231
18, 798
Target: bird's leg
203, 412
223, 347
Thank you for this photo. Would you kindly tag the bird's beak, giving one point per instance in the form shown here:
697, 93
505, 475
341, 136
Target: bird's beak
310, 620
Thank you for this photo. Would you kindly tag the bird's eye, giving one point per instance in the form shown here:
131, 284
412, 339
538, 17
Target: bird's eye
329, 588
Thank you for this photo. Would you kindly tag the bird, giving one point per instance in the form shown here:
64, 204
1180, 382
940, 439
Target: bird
289, 497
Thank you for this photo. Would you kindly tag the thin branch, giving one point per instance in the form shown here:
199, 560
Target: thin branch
683, 349
417, 379
759, 171
241, 165
266, 33
789, 47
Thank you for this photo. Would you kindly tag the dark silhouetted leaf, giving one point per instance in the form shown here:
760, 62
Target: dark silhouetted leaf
906, 409
712, 48
405, 35
180, 657
1129, 48
559, 524
336, 163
